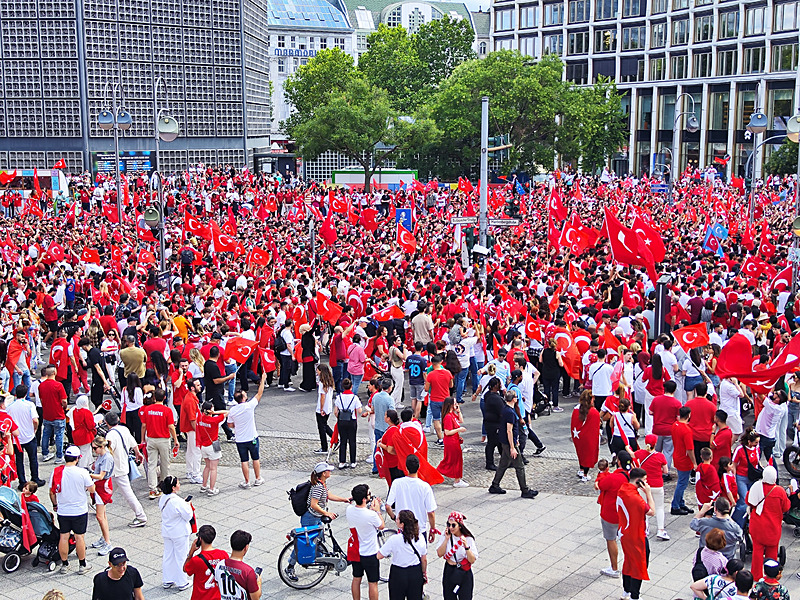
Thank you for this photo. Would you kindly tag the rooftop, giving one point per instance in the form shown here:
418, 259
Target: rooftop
308, 14
368, 14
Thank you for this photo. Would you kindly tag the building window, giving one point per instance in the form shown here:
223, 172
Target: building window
754, 59
659, 6
504, 20
605, 40
361, 42
679, 4
339, 43
667, 110
553, 14
781, 108
578, 73
657, 70
527, 46
754, 21
605, 9
301, 43
703, 2
680, 32
784, 57
482, 48
720, 105
786, 17
553, 44
416, 20
704, 28
728, 25
632, 76
292, 42
295, 64
506, 44
281, 65
746, 107
281, 41
579, 11
323, 43
312, 43
633, 38
679, 67
303, 62
658, 35
631, 8
395, 17
726, 62
578, 43
702, 64
528, 17
644, 117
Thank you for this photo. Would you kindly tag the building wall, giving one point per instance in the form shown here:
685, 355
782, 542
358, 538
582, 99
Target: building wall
730, 56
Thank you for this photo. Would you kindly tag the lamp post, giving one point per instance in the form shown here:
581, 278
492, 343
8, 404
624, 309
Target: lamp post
167, 128
692, 125
757, 124
483, 218
117, 119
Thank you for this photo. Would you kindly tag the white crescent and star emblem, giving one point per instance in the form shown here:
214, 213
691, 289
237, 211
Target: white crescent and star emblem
621, 238
576, 434
245, 351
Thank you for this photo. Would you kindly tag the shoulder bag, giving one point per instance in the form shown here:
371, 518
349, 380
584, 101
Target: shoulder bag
133, 468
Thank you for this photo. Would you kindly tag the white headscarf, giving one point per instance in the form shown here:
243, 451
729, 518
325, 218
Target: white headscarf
756, 497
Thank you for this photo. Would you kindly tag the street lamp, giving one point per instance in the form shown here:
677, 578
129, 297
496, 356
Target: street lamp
117, 119
692, 125
758, 124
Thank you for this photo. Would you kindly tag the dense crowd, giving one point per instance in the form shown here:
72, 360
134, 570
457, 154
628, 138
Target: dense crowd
328, 290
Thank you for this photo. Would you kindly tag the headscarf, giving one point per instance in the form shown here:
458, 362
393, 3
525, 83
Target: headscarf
82, 401
457, 517
644, 359
756, 497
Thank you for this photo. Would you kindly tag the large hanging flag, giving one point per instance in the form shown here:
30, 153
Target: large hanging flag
406, 240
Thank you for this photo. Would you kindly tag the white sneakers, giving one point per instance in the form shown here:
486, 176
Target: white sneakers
258, 482
212, 492
609, 572
245, 485
662, 535
460, 484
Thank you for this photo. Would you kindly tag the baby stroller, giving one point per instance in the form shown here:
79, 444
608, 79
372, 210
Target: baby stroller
746, 546
792, 516
11, 533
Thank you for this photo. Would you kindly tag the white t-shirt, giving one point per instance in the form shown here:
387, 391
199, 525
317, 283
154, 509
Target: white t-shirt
326, 405
23, 412
243, 418
600, 374
72, 499
402, 553
350, 402
367, 522
461, 551
411, 493
668, 361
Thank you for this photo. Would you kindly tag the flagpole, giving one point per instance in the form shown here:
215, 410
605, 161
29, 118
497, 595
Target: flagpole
484, 187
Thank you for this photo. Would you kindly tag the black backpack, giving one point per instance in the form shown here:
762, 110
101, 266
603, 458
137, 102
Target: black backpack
298, 496
280, 343
187, 256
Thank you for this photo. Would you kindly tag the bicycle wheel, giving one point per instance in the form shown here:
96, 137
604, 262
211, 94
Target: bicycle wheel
307, 576
386, 563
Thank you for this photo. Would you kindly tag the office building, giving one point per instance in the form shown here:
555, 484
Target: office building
731, 57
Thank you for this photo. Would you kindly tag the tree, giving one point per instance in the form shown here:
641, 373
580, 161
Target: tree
391, 63
360, 123
784, 160
442, 45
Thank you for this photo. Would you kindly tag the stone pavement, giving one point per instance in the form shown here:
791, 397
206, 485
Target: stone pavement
550, 547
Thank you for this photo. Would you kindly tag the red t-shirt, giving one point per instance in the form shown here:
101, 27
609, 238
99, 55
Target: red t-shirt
702, 419
208, 429
682, 442
707, 487
179, 391
204, 587
5, 419
189, 410
741, 457
654, 387
665, 413
238, 577
154, 345
721, 446
157, 419
51, 393
652, 463
441, 380
108, 322
49, 306
609, 486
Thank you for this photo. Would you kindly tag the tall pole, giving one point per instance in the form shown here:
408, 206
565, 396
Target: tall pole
674, 169
313, 241
796, 241
483, 223
115, 109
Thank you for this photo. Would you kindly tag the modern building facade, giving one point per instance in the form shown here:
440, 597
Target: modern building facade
732, 57
205, 62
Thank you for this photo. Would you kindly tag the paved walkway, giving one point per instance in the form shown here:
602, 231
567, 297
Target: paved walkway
549, 547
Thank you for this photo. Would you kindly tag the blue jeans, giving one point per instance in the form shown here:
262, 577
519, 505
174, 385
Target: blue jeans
30, 450
473, 372
680, 488
338, 372
51, 429
794, 415
232, 382
483, 412
378, 436
461, 380
24, 377
307, 520
356, 381
742, 487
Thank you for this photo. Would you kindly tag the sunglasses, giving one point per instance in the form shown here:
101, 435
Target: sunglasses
452, 524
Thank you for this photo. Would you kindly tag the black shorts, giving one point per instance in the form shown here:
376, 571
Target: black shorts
76, 525
53, 325
368, 565
248, 450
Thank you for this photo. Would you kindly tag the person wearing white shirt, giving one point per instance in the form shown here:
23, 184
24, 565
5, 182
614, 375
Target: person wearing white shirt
769, 419
414, 494
120, 442
242, 419
600, 378
175, 531
23, 412
715, 337
409, 557
365, 517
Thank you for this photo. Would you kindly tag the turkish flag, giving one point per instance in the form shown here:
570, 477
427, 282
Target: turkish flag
34, 209
754, 266
327, 232
146, 257
406, 240
575, 276
222, 241
267, 359
532, 329
193, 225
391, 312
573, 238
693, 336
765, 247
553, 234
90, 255
55, 252
367, 219
583, 340
28, 532
239, 349
735, 361
60, 164
568, 350
116, 253
110, 213
624, 244
783, 280
143, 231
556, 206
651, 238
6, 178
327, 309
609, 341
258, 256
337, 203
358, 302
747, 238
36, 185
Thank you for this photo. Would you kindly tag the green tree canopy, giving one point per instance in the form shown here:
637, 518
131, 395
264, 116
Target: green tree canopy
442, 45
784, 160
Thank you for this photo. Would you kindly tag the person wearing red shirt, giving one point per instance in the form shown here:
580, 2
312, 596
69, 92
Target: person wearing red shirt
201, 562
208, 422
747, 454
707, 487
240, 578
721, 439
768, 501
655, 465
187, 421
702, 419
683, 458
438, 384
107, 321
609, 519
158, 426
50, 317
54, 403
386, 443
155, 343
632, 513
664, 410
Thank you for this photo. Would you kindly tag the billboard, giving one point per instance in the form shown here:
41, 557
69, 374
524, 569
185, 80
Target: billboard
136, 161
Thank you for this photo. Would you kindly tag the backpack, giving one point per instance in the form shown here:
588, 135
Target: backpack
298, 496
187, 256
280, 343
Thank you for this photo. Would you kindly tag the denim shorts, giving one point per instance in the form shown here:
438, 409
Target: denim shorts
248, 450
436, 410
416, 390
692, 382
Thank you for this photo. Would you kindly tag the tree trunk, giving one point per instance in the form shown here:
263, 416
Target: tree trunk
368, 179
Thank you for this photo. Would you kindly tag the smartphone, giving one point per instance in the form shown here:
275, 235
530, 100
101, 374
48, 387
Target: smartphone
258, 570
189, 498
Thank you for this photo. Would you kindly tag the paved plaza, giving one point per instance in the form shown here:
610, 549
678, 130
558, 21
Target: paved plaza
550, 547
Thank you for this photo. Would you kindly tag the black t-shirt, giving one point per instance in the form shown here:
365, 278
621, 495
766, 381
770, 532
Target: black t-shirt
210, 373
106, 588
509, 418
616, 296
493, 408
95, 357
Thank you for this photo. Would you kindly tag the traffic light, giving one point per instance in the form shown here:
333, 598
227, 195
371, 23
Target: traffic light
499, 142
469, 237
512, 206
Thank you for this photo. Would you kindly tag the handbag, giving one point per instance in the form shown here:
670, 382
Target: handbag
133, 468
216, 445
754, 472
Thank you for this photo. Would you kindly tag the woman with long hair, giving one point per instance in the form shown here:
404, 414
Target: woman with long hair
132, 400
459, 551
346, 409
694, 372
308, 345
326, 388
655, 465
397, 361
409, 559
452, 464
208, 422
654, 377
624, 426
639, 391
452, 364
101, 476
584, 428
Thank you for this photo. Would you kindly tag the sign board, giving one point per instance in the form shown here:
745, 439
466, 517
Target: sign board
139, 161
163, 280
504, 222
794, 255
464, 220
403, 216
659, 188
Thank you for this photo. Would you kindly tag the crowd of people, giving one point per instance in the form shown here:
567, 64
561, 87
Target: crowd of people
403, 326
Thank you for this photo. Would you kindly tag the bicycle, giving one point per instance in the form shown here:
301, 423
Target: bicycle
312, 574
